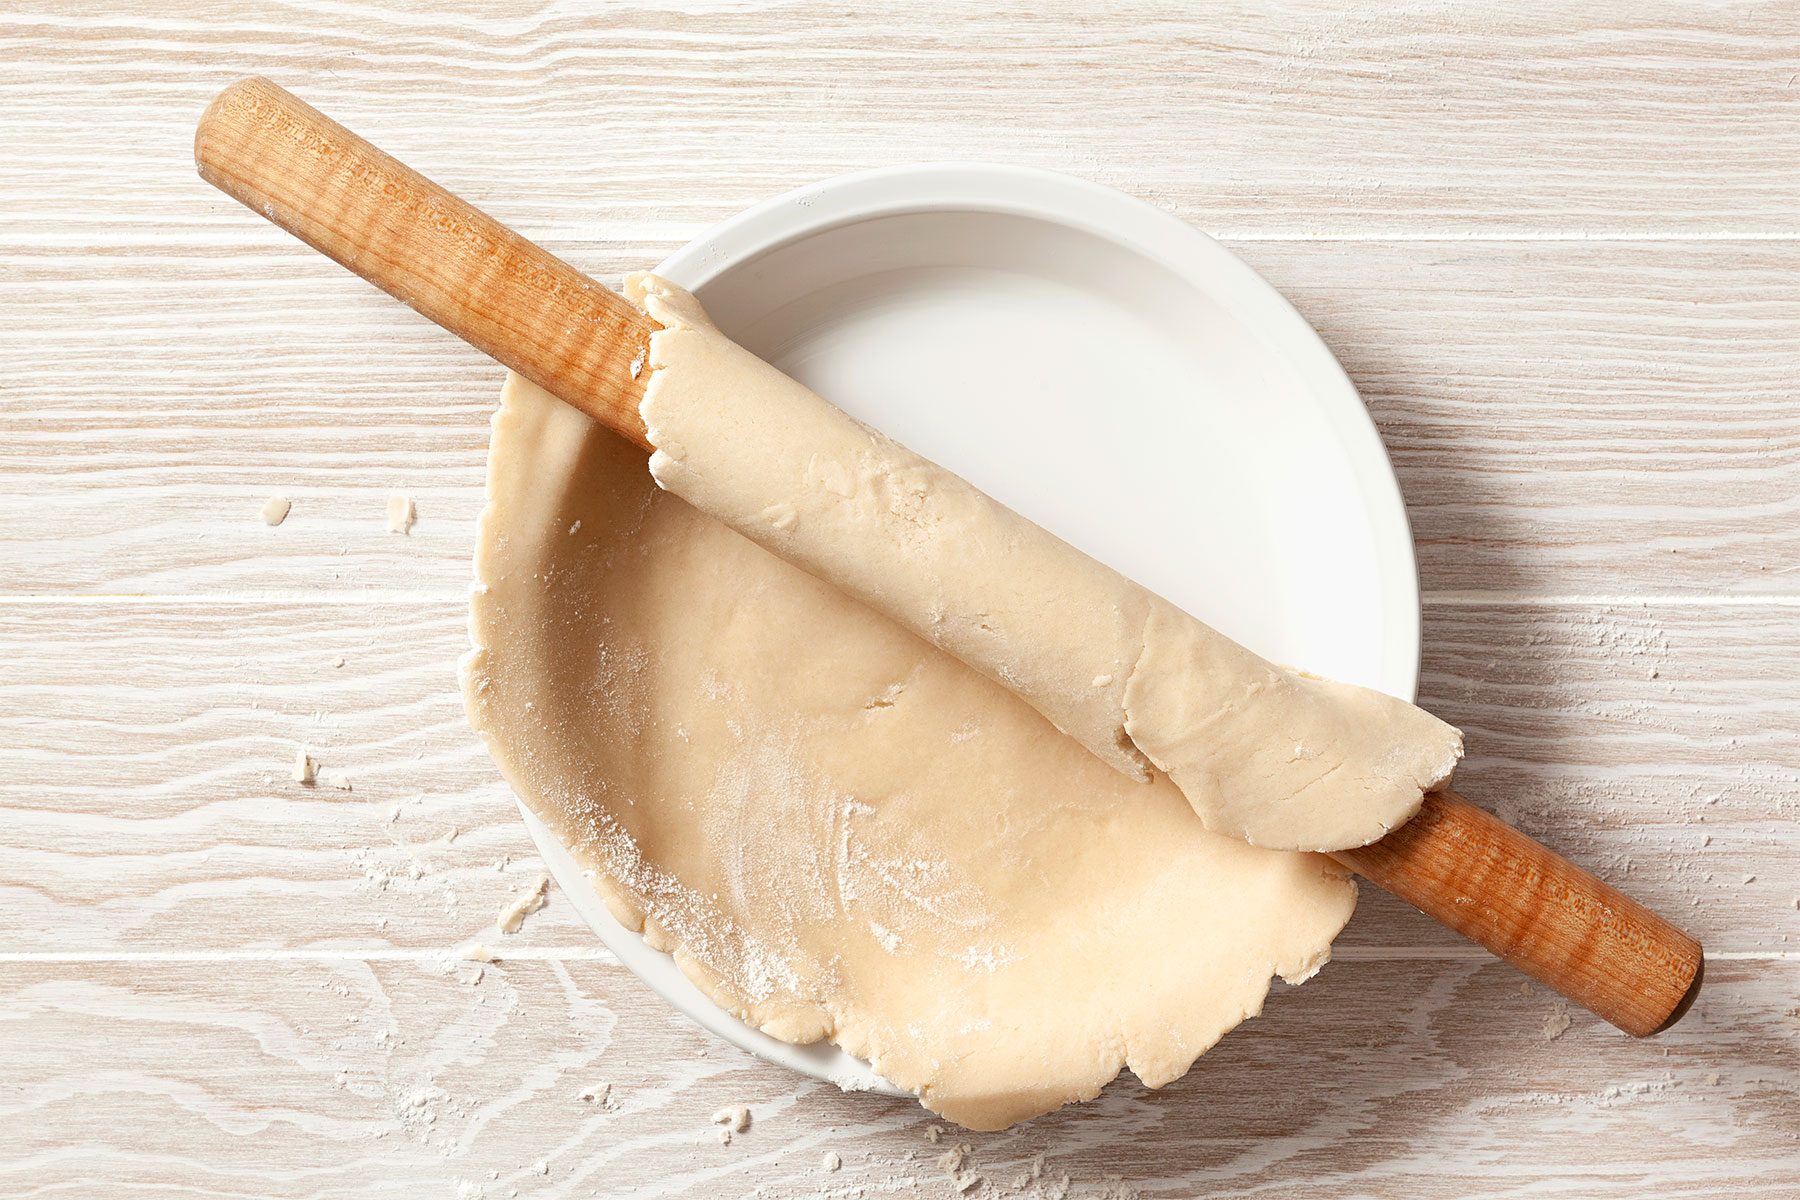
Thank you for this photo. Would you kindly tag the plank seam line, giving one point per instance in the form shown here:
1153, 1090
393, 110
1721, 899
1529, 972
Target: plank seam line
601, 954
564, 238
1444, 599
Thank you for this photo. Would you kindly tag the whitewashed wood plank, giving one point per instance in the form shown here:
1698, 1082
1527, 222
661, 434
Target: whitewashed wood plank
1316, 118
357, 1079
1565, 418
147, 805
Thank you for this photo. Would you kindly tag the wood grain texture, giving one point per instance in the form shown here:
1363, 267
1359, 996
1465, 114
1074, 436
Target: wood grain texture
1566, 419
1539, 913
349, 1078
149, 805
1316, 118
1556, 247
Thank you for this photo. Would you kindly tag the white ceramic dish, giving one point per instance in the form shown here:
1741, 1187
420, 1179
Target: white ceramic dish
1099, 366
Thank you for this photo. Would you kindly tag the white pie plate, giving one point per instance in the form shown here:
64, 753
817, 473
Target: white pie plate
1103, 368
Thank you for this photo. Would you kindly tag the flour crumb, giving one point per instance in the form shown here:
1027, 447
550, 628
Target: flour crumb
1557, 1023
637, 365
542, 1168
1103, 680
831, 1161
338, 661
306, 768
336, 779
468, 1190
933, 1133
475, 952
275, 510
575, 529
514, 914
735, 1118
401, 513
600, 1093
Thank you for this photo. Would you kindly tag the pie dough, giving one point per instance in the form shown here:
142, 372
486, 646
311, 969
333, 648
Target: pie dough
840, 831
1276, 757
829, 779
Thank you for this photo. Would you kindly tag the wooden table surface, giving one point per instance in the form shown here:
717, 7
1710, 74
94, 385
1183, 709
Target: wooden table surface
1559, 253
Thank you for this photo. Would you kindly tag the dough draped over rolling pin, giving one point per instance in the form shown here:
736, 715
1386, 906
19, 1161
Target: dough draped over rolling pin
1273, 756
838, 830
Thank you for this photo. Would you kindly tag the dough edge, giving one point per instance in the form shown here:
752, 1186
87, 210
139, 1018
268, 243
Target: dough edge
806, 1022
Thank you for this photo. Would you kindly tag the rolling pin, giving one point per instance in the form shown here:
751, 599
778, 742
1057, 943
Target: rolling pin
583, 343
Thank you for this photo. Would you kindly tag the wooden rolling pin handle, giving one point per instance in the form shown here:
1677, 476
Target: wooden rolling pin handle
586, 345
515, 301
1538, 911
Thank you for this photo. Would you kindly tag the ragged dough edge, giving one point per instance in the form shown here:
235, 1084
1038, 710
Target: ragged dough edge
1144, 709
793, 1019
789, 1019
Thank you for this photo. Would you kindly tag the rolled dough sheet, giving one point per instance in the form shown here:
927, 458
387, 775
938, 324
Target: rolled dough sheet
1273, 756
839, 830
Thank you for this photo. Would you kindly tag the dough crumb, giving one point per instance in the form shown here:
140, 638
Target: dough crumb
735, 1118
955, 1163
306, 769
831, 1161
338, 661
1557, 1023
275, 510
600, 1093
933, 1133
401, 513
1103, 680
475, 952
338, 780
575, 529
514, 914
542, 1168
